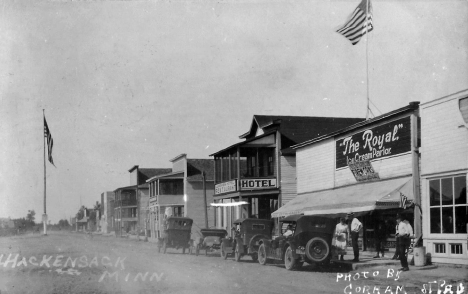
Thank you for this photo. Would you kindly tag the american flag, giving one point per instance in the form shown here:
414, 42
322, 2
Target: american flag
50, 141
403, 200
356, 26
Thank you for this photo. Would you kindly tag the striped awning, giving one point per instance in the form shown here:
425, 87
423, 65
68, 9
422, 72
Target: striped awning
363, 197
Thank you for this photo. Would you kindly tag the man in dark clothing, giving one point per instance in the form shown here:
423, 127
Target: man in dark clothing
380, 233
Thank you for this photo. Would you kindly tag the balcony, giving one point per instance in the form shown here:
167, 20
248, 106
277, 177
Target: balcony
123, 203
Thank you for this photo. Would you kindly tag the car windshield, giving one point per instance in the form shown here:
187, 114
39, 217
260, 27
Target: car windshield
288, 228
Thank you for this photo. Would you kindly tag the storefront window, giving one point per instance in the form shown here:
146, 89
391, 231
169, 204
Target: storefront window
448, 205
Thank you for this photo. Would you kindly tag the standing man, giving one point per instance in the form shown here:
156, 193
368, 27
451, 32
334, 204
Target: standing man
380, 236
355, 227
403, 234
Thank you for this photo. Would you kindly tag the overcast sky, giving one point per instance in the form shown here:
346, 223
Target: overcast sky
127, 83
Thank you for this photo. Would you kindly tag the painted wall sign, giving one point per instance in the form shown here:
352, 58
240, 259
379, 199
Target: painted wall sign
226, 187
363, 171
379, 142
252, 184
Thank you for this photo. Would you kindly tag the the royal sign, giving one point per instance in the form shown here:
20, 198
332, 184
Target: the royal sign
379, 142
254, 184
226, 187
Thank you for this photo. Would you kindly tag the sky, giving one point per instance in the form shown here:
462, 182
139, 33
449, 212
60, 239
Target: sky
127, 83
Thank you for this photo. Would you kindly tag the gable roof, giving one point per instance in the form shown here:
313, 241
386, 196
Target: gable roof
147, 173
196, 166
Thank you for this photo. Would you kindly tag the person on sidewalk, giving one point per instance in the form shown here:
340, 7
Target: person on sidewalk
403, 236
341, 236
380, 234
355, 227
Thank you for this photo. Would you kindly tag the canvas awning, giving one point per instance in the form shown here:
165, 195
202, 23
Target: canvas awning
356, 198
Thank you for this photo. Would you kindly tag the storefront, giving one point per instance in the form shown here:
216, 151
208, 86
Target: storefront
444, 168
255, 177
370, 169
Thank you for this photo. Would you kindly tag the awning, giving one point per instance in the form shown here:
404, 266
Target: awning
229, 204
356, 198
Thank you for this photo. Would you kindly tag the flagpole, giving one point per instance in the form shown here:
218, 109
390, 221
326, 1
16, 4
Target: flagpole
367, 59
44, 217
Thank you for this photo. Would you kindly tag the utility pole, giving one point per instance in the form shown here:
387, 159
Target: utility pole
204, 197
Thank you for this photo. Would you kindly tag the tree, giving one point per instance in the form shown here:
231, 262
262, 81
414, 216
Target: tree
81, 213
63, 223
31, 216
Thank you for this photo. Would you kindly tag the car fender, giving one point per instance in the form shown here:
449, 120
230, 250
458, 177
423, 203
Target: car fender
252, 243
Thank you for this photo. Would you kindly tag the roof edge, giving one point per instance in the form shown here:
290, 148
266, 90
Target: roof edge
411, 106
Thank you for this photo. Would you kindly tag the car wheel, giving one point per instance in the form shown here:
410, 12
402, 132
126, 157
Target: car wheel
317, 249
237, 255
290, 263
262, 257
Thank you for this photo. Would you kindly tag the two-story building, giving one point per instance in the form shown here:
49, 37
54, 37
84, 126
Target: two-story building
181, 192
131, 202
444, 168
107, 215
256, 176
370, 168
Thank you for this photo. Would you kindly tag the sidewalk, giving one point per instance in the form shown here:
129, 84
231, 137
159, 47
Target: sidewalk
366, 260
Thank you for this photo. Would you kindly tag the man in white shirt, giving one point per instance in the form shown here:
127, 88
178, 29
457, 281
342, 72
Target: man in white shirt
355, 227
404, 232
289, 231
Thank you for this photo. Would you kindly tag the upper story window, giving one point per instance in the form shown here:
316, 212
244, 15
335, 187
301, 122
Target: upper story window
253, 163
171, 187
448, 205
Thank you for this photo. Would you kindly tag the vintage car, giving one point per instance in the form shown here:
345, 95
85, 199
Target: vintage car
308, 239
247, 235
211, 240
176, 234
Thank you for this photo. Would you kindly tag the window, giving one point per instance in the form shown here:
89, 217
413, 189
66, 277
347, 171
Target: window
171, 187
258, 227
439, 247
448, 205
456, 248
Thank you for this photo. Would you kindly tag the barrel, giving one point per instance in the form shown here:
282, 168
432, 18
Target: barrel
419, 256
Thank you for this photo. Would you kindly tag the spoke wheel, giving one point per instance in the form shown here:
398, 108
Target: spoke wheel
262, 257
289, 262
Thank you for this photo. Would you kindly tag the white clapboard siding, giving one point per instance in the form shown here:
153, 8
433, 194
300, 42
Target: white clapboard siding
315, 166
288, 178
386, 168
444, 138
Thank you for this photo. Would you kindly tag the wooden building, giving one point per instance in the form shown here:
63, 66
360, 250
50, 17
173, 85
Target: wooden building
256, 176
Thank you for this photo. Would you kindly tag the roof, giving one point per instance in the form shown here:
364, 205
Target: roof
171, 175
296, 129
147, 173
195, 168
142, 186
411, 107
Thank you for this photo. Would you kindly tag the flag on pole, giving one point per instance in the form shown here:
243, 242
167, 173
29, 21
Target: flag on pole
403, 200
356, 26
50, 141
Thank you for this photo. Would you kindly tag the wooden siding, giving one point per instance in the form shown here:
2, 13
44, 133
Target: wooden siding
386, 168
288, 178
316, 166
195, 205
444, 139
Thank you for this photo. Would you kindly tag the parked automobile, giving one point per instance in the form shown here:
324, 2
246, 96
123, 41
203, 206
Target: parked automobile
308, 239
176, 234
247, 235
211, 240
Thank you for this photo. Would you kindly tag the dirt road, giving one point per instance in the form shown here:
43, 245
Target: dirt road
77, 263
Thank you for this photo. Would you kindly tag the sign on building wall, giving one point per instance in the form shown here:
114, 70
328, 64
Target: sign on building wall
254, 184
363, 171
226, 187
374, 143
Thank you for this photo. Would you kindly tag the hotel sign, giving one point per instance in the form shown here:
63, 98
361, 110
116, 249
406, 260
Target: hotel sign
375, 143
257, 184
226, 187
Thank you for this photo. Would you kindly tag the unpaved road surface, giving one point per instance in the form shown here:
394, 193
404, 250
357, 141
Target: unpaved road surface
78, 263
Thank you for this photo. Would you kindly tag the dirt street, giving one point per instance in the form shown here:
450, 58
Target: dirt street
79, 263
